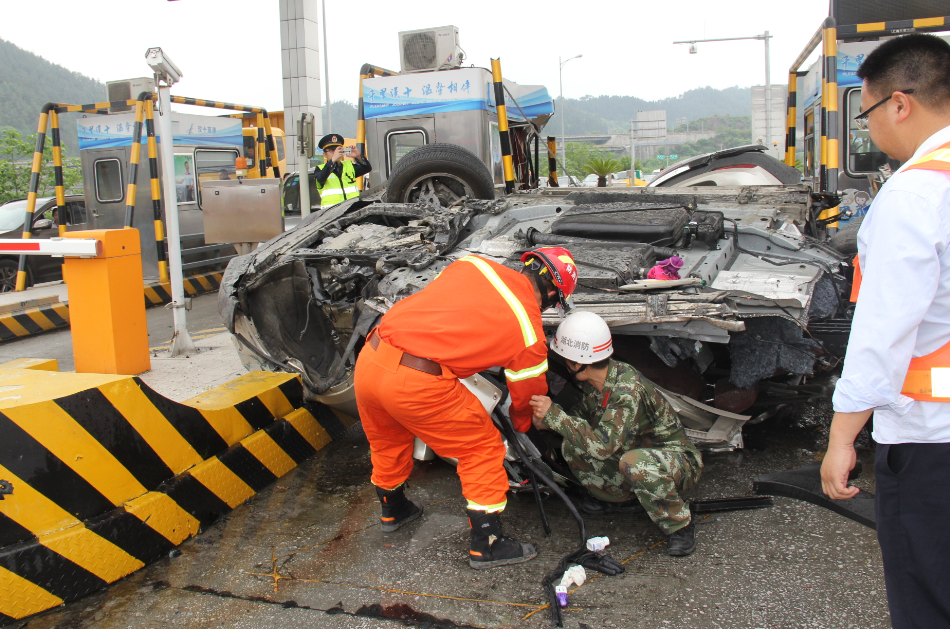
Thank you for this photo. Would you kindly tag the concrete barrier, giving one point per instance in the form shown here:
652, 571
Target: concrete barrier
100, 475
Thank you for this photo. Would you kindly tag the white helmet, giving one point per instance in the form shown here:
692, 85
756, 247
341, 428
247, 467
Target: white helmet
583, 337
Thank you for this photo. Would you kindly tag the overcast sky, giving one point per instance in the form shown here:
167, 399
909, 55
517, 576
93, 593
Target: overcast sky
230, 50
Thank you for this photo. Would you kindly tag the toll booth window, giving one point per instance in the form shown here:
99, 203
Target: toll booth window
185, 178
279, 143
810, 144
863, 155
108, 180
250, 149
76, 211
214, 165
399, 143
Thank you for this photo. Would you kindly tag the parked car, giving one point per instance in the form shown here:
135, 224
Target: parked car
45, 225
738, 166
291, 192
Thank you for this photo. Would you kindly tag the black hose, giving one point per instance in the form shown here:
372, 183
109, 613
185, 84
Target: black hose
595, 561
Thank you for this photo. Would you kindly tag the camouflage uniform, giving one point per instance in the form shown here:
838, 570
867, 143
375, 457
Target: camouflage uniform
628, 441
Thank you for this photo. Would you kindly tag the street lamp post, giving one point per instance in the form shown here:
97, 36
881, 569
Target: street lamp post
561, 85
768, 76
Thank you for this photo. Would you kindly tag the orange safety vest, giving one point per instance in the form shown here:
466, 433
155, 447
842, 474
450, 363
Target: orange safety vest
918, 384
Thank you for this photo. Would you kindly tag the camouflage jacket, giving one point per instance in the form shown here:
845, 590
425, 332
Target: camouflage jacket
629, 414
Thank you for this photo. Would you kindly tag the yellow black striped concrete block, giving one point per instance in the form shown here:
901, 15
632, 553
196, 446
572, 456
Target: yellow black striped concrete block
100, 475
161, 292
35, 320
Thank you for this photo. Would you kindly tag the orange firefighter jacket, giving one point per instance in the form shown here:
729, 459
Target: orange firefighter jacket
475, 315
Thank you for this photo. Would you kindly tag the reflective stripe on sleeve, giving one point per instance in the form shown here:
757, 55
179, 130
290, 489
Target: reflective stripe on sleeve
474, 506
527, 330
530, 372
350, 189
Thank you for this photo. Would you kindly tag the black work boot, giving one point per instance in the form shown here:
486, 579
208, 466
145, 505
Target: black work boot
683, 541
490, 548
397, 509
594, 506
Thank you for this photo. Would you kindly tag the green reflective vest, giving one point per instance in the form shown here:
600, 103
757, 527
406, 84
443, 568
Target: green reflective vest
334, 191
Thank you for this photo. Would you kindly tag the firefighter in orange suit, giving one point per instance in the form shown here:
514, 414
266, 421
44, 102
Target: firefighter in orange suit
475, 315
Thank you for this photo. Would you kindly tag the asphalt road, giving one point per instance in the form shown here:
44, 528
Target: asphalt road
308, 552
202, 321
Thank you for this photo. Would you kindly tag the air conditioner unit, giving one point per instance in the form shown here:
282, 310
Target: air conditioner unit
430, 49
128, 89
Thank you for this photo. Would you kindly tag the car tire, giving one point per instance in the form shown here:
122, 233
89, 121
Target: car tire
8, 271
440, 173
846, 240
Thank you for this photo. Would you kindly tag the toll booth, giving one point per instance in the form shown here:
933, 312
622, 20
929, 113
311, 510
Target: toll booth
205, 149
406, 111
824, 97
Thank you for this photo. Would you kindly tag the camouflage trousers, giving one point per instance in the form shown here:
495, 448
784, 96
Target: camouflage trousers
658, 478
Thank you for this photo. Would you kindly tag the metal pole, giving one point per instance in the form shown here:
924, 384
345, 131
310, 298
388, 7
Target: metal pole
560, 75
181, 341
768, 98
303, 180
326, 80
631, 181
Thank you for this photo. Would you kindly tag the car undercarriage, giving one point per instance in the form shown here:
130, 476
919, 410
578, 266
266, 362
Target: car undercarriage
753, 325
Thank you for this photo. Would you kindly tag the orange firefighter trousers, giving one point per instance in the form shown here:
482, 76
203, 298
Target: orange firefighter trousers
397, 404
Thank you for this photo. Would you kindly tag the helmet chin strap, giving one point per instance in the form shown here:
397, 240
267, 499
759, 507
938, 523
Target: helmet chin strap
573, 373
546, 300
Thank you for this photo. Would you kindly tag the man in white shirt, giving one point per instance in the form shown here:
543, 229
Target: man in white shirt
898, 355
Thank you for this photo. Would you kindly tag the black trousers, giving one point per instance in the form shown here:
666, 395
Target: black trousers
913, 528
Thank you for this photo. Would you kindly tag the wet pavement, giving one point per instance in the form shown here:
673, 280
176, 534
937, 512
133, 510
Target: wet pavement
308, 551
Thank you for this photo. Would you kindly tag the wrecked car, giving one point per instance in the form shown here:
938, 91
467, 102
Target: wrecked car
760, 313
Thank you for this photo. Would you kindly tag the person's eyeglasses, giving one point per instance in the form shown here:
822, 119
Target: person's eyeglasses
861, 120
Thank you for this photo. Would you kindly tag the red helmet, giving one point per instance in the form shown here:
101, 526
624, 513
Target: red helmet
559, 267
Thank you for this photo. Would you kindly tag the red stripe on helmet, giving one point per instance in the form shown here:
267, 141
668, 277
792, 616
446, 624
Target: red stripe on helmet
604, 346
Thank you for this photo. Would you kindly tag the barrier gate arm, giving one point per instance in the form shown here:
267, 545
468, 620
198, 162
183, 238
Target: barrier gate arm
73, 247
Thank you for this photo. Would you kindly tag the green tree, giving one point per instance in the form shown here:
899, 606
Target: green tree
602, 167
16, 162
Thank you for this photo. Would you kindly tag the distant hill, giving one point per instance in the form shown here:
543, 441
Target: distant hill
28, 81
593, 115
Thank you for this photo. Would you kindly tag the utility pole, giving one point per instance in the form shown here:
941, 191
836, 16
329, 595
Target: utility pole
768, 76
326, 79
561, 86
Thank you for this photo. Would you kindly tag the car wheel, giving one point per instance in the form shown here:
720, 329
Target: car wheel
8, 269
439, 174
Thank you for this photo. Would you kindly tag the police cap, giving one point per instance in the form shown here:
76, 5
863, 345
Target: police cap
330, 141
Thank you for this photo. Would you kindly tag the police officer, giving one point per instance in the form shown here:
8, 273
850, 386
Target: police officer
336, 179
624, 442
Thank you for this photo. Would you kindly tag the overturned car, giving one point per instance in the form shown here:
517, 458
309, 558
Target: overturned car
760, 310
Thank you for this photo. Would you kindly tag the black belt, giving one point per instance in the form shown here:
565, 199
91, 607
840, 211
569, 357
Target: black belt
413, 362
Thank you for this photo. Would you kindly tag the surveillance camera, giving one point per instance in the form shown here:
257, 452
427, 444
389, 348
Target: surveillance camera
693, 49
162, 66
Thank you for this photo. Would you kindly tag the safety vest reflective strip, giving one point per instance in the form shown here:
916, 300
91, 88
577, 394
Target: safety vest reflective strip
928, 377
527, 329
330, 196
529, 372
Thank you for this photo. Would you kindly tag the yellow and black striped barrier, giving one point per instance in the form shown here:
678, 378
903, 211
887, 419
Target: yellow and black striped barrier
503, 126
158, 293
35, 320
47, 317
100, 475
920, 25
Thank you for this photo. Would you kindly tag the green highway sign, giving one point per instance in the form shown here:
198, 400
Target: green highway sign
661, 156
674, 156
